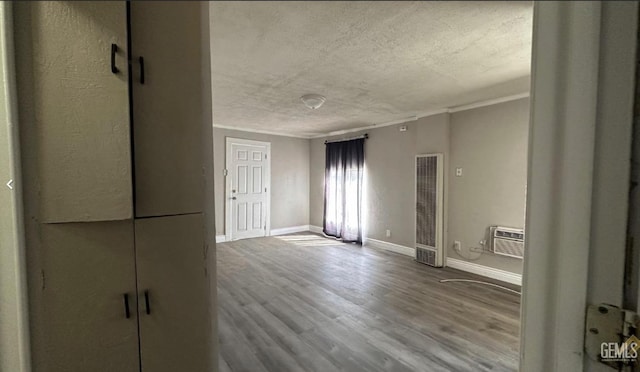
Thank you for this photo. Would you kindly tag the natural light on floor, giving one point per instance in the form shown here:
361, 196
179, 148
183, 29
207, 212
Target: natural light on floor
308, 240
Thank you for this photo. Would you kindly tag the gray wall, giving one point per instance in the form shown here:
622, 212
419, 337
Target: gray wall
390, 180
483, 141
490, 145
289, 177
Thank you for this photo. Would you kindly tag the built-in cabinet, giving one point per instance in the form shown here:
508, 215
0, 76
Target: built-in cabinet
87, 298
167, 147
173, 311
118, 277
81, 110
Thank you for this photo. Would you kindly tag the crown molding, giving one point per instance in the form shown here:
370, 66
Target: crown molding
260, 131
385, 124
489, 102
418, 116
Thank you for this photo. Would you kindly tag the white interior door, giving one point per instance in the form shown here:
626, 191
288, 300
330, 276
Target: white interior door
247, 189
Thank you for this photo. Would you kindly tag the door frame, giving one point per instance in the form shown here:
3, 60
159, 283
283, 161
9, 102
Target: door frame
583, 68
13, 264
228, 210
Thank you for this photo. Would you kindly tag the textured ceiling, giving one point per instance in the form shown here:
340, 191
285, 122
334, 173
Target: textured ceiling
375, 62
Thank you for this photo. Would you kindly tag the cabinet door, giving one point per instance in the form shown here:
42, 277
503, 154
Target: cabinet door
81, 110
167, 108
175, 333
87, 268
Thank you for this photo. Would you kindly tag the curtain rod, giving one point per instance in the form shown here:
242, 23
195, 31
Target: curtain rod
365, 136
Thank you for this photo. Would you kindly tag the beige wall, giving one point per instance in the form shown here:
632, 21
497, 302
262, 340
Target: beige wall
490, 145
390, 180
289, 177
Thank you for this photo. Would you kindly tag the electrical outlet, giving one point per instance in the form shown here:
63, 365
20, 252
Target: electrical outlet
458, 172
456, 246
388, 233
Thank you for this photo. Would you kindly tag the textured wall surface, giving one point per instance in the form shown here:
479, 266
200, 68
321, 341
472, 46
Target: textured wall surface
490, 145
374, 61
389, 176
289, 177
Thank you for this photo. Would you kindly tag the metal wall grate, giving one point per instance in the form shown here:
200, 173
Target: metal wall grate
426, 200
426, 256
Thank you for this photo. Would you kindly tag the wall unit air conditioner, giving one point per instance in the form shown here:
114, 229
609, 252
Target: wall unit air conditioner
507, 241
429, 209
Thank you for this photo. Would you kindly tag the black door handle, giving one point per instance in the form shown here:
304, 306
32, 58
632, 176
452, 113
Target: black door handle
127, 313
141, 60
146, 302
114, 50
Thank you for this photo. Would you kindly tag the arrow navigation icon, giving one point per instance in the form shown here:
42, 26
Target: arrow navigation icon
10, 184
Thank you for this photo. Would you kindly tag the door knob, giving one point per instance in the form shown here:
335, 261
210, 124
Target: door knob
233, 198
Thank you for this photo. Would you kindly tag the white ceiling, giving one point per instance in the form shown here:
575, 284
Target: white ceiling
375, 62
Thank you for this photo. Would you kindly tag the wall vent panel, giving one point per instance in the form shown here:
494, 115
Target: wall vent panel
429, 209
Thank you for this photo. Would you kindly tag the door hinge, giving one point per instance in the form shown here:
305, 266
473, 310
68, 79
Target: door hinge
225, 172
611, 335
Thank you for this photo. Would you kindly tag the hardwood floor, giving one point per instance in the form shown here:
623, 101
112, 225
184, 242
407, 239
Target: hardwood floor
306, 303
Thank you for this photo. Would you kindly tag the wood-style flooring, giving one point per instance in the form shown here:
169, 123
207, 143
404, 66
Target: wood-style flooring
305, 303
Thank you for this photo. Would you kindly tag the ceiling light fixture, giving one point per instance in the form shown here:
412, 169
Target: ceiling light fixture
313, 101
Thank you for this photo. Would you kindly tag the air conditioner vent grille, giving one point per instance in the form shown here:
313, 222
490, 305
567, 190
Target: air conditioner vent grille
507, 241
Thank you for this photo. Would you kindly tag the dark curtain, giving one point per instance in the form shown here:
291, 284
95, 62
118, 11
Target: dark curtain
343, 179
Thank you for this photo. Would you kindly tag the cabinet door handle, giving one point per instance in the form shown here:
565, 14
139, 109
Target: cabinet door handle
114, 50
146, 302
127, 313
141, 60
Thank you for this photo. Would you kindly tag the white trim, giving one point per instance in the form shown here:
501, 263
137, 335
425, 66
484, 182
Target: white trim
16, 306
489, 102
396, 248
315, 229
289, 230
486, 271
424, 114
449, 110
385, 124
267, 182
260, 131
221, 238
564, 109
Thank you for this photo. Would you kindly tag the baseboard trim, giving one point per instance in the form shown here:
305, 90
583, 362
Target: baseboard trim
221, 238
289, 230
315, 229
486, 271
396, 248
